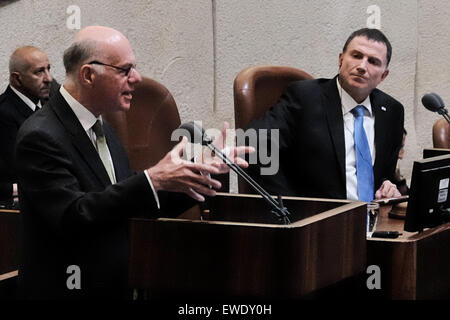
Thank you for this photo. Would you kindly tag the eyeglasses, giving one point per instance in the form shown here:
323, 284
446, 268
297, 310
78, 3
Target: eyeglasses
126, 71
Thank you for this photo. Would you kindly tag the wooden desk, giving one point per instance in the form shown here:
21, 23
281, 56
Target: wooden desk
233, 247
413, 266
10, 231
10, 239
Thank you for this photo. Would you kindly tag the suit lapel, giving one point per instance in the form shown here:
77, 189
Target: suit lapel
80, 138
335, 120
21, 106
381, 112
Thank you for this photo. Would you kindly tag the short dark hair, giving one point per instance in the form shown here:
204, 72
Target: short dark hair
374, 35
78, 53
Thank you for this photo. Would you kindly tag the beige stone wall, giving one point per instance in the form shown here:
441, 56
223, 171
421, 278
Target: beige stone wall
197, 47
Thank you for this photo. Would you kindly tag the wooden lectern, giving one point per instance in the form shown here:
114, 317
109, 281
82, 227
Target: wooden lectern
232, 246
10, 239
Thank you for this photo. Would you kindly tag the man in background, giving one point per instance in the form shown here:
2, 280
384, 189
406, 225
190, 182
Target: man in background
29, 86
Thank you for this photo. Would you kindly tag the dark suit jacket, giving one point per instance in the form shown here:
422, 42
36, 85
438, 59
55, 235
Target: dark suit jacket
13, 112
312, 144
72, 214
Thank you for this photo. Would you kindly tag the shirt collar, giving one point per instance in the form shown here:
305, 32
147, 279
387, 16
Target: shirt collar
25, 99
86, 118
348, 103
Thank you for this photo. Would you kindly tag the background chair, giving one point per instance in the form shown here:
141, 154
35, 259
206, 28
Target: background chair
441, 134
256, 89
146, 128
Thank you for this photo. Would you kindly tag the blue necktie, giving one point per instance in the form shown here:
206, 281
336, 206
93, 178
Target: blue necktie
364, 168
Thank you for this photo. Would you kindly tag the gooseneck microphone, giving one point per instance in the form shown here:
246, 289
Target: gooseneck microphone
196, 134
434, 103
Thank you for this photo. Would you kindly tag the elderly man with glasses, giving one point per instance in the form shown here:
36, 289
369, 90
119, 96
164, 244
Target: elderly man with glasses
76, 187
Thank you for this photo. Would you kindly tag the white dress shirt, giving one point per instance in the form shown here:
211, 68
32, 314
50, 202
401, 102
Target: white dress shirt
87, 120
348, 103
27, 100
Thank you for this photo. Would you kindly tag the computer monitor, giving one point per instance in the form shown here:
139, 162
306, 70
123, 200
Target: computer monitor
429, 197
433, 152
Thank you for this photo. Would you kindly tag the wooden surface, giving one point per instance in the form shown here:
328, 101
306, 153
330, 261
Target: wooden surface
233, 247
413, 266
203, 250
10, 228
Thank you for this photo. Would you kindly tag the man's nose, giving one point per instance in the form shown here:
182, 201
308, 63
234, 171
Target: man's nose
362, 67
135, 76
47, 76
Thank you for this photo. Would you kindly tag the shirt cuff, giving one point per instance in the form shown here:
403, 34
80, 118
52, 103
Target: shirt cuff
155, 194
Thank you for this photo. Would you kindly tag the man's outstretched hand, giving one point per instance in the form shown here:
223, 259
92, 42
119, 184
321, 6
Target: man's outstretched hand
173, 173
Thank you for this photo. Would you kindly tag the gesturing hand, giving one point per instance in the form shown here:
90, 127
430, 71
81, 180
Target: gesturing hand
231, 152
174, 174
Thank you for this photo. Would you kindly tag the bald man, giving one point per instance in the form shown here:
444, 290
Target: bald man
76, 194
29, 86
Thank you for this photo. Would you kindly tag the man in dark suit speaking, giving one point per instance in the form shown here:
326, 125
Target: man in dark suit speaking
339, 138
75, 184
29, 85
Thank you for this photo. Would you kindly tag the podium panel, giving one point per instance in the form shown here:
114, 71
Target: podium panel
232, 246
10, 238
416, 265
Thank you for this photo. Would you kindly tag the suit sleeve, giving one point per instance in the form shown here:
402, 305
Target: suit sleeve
281, 117
275, 137
49, 187
398, 129
396, 134
8, 133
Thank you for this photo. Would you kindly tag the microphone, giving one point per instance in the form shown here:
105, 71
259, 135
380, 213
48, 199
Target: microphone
196, 134
434, 103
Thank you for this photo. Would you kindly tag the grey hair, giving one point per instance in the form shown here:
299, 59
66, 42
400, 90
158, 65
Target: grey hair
79, 53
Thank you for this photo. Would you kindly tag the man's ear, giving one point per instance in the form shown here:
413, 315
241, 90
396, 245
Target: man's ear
15, 79
341, 56
87, 75
385, 74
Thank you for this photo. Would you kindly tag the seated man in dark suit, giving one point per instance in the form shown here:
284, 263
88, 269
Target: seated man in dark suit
29, 86
76, 187
338, 138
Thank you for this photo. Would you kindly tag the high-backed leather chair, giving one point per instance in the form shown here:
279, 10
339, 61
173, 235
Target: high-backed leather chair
441, 134
146, 128
256, 89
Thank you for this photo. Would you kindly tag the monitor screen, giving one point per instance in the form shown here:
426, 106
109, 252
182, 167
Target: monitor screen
429, 197
433, 152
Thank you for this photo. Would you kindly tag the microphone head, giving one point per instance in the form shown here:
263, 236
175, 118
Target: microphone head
433, 102
195, 133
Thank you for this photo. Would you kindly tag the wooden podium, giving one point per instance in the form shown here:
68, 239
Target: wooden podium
416, 265
10, 239
232, 246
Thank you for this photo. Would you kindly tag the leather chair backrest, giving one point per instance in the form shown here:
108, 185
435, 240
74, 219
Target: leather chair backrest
145, 130
256, 90
441, 134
